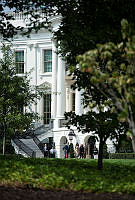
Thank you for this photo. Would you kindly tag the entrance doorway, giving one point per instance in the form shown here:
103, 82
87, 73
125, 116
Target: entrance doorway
90, 142
63, 141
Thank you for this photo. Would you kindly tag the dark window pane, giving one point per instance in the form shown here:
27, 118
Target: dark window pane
47, 60
19, 61
47, 108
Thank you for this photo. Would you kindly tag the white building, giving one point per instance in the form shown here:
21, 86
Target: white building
38, 54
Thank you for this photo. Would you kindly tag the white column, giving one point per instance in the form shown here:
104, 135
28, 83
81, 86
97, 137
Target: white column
41, 109
35, 56
78, 102
54, 80
71, 100
60, 88
67, 99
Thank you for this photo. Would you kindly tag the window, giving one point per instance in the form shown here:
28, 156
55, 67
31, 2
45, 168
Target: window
19, 61
47, 60
47, 108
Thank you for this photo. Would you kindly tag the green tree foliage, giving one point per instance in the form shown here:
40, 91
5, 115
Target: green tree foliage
112, 72
105, 151
103, 125
35, 21
124, 144
91, 22
71, 150
15, 94
87, 23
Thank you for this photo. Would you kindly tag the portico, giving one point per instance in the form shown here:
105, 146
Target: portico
61, 94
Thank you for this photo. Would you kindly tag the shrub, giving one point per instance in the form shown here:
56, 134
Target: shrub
105, 152
122, 155
71, 151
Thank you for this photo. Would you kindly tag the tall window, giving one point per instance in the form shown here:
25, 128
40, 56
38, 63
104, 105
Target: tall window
47, 108
47, 60
19, 61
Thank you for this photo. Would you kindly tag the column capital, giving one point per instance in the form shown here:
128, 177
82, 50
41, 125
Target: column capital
35, 45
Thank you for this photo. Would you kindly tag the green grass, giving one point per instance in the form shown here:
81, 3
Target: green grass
79, 175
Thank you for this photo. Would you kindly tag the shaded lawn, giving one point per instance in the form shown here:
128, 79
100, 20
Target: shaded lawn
70, 174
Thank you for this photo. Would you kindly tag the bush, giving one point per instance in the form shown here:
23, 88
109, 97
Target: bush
105, 153
71, 151
122, 155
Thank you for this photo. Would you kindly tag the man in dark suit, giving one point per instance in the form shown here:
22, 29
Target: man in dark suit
66, 150
45, 151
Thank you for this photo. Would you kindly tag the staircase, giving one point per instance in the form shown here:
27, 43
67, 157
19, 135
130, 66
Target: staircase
30, 145
21, 148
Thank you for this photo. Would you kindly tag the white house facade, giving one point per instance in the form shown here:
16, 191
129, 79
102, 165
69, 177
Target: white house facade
38, 55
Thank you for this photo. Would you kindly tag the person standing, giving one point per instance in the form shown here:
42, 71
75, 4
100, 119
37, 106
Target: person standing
95, 152
85, 150
45, 151
81, 151
52, 152
66, 150
77, 150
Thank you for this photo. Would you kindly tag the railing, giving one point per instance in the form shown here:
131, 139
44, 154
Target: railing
23, 15
42, 129
24, 147
38, 143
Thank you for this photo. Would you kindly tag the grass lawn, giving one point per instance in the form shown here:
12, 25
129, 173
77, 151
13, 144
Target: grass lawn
71, 174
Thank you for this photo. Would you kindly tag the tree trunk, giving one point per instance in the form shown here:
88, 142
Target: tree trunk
133, 143
4, 138
4, 142
100, 154
132, 128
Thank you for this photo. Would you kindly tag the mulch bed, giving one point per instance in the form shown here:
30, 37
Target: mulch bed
9, 193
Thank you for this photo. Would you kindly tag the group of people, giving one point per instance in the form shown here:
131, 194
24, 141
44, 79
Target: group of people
49, 152
80, 151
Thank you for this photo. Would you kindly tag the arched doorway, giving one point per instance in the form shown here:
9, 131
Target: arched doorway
90, 143
63, 141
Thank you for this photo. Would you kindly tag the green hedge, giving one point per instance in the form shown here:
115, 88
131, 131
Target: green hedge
122, 155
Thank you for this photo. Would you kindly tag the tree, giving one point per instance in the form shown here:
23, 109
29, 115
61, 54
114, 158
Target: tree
82, 28
35, 20
124, 144
71, 150
102, 124
15, 94
112, 72
89, 23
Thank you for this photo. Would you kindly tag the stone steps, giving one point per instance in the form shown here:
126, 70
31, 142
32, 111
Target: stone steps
31, 144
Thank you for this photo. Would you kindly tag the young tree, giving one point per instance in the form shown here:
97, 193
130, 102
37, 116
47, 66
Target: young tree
15, 94
71, 147
102, 124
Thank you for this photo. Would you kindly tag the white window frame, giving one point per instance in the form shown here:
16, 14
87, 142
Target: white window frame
42, 58
24, 50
